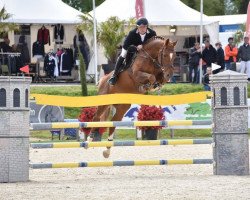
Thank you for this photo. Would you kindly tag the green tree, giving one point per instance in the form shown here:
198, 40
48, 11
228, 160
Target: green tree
109, 33
241, 6
6, 27
83, 75
210, 8
83, 5
219, 7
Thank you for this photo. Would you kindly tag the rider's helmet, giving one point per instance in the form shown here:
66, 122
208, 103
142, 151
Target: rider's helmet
142, 21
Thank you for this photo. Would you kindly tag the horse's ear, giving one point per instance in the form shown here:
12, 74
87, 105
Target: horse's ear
166, 42
174, 43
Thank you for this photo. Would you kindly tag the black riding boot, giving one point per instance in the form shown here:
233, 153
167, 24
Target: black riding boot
118, 67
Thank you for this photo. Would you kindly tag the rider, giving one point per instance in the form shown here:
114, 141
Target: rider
136, 37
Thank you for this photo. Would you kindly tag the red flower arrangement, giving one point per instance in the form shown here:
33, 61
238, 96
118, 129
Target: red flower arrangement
149, 113
87, 115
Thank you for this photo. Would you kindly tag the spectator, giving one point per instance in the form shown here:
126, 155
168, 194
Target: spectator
209, 55
230, 53
220, 58
244, 56
206, 81
194, 58
5, 45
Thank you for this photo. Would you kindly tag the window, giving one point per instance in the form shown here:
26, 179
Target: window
236, 96
16, 98
26, 98
223, 94
2, 97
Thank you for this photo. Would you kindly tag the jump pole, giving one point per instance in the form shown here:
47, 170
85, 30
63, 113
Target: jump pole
121, 163
120, 143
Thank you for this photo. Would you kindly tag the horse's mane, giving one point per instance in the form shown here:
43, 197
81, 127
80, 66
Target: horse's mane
153, 38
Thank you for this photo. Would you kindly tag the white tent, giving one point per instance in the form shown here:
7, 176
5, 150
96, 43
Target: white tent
40, 12
35, 13
230, 19
161, 13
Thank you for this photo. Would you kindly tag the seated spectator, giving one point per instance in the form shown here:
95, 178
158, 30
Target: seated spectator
206, 81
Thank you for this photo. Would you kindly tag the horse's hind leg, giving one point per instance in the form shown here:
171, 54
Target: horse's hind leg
100, 112
120, 111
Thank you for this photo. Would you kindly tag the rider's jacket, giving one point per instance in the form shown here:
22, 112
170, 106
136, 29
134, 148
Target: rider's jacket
135, 39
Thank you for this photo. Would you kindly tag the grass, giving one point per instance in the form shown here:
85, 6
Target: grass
63, 90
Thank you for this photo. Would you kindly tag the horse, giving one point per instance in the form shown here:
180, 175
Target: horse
152, 66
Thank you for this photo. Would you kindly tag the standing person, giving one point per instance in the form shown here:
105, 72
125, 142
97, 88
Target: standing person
220, 58
230, 53
209, 55
136, 37
194, 60
244, 56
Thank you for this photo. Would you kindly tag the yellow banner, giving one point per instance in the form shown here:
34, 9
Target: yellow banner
111, 99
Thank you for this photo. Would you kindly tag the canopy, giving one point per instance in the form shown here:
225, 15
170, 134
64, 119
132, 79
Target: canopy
158, 12
40, 12
230, 19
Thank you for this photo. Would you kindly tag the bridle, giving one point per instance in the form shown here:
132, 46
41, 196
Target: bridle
158, 61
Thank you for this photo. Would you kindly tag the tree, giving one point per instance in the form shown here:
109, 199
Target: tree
83, 5
6, 27
110, 33
210, 8
83, 75
241, 6
219, 7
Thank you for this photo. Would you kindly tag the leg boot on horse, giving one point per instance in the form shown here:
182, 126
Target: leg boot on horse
118, 67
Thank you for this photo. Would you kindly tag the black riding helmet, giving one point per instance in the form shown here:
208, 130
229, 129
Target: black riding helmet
142, 21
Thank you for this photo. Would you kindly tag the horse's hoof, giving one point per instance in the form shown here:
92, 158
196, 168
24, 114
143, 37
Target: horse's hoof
86, 146
106, 153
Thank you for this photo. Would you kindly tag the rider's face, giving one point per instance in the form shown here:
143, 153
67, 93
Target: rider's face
142, 29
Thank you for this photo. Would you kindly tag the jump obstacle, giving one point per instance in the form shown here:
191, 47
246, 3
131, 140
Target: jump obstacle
166, 123
120, 143
229, 130
121, 163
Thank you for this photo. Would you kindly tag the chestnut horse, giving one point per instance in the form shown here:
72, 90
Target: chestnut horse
152, 66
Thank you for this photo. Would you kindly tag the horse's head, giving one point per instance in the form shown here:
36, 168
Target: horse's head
166, 58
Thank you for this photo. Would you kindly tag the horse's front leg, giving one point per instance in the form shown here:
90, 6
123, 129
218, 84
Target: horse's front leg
144, 78
120, 110
94, 133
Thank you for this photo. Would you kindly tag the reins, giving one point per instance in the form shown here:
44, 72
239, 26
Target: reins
158, 61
